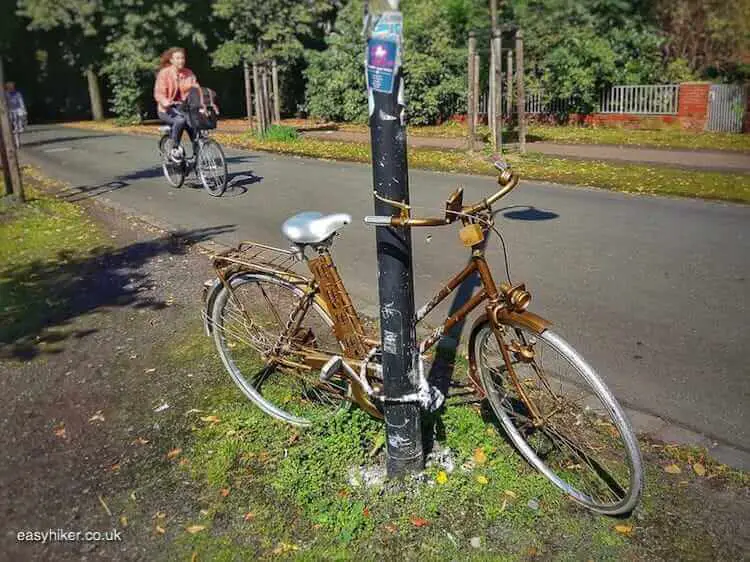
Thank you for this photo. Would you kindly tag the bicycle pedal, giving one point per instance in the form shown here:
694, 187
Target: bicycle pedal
332, 366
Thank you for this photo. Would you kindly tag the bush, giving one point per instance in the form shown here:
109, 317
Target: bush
280, 133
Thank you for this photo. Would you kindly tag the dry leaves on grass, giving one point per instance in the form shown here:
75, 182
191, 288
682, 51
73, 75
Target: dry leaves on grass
192, 529
699, 469
210, 419
96, 417
479, 456
672, 469
419, 521
624, 529
174, 453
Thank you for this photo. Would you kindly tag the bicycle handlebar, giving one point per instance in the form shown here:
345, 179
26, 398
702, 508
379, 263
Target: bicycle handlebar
507, 179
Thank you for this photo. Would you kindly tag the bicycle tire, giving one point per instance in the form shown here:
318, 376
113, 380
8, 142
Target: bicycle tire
257, 343
217, 183
511, 411
173, 172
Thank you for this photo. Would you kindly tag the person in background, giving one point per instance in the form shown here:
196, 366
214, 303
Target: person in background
173, 82
16, 105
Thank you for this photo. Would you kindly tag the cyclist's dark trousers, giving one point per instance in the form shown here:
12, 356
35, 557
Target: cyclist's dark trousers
178, 121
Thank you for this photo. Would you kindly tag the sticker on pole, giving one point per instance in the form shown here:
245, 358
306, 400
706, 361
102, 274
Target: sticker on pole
381, 65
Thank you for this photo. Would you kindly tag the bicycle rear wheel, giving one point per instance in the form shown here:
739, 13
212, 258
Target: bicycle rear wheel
212, 168
247, 326
582, 440
174, 172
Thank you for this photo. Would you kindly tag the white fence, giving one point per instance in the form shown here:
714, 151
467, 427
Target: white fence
640, 100
643, 100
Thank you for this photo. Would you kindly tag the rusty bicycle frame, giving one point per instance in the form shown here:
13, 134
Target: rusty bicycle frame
505, 304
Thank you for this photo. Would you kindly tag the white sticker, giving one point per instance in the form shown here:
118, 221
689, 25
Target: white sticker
390, 342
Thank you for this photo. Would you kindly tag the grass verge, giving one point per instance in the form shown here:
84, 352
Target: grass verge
627, 178
37, 241
663, 137
263, 489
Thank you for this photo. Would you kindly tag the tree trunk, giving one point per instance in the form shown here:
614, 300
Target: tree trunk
276, 96
95, 95
248, 92
521, 93
472, 94
267, 96
258, 99
509, 87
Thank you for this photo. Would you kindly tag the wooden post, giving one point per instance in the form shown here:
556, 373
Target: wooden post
477, 96
521, 93
248, 92
276, 100
497, 100
509, 86
258, 100
11, 173
267, 96
470, 103
95, 95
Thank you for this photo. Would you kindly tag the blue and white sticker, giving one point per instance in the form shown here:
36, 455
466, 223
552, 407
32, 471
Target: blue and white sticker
381, 65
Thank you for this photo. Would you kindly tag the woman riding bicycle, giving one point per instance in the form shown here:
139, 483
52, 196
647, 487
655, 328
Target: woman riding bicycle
173, 83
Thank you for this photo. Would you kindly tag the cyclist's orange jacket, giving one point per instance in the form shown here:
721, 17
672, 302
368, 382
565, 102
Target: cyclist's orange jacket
172, 85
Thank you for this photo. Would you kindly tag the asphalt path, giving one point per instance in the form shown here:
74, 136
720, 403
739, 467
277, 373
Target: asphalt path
652, 290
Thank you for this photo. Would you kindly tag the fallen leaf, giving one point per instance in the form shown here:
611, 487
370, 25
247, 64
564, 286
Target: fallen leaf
249, 516
366, 512
149, 371
419, 521
104, 505
192, 529
141, 441
115, 467
96, 417
224, 492
672, 469
343, 493
283, 548
160, 530
293, 439
60, 432
511, 494
482, 479
699, 469
183, 461
123, 521
210, 419
532, 551
390, 527
174, 453
441, 477
624, 529
194, 557
159, 515
479, 456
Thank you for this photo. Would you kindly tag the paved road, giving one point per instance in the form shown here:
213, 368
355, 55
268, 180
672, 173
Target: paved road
654, 291
724, 161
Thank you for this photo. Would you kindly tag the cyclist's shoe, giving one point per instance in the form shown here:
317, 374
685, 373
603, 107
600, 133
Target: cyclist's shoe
177, 155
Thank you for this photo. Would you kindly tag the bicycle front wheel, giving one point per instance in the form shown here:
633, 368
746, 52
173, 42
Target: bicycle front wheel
578, 437
248, 324
212, 168
173, 171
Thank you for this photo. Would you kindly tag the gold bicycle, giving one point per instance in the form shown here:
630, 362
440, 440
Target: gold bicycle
295, 345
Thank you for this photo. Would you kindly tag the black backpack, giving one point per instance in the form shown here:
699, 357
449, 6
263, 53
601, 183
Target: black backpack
198, 120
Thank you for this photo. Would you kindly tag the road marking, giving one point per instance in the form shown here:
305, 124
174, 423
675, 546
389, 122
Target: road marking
59, 149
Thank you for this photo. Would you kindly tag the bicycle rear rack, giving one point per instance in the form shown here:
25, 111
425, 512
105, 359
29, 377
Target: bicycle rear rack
253, 256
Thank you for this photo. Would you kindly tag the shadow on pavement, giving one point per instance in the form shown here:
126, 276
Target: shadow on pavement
528, 213
46, 294
56, 140
236, 182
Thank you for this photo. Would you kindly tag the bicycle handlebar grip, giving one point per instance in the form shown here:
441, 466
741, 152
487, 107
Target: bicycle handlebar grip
378, 221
